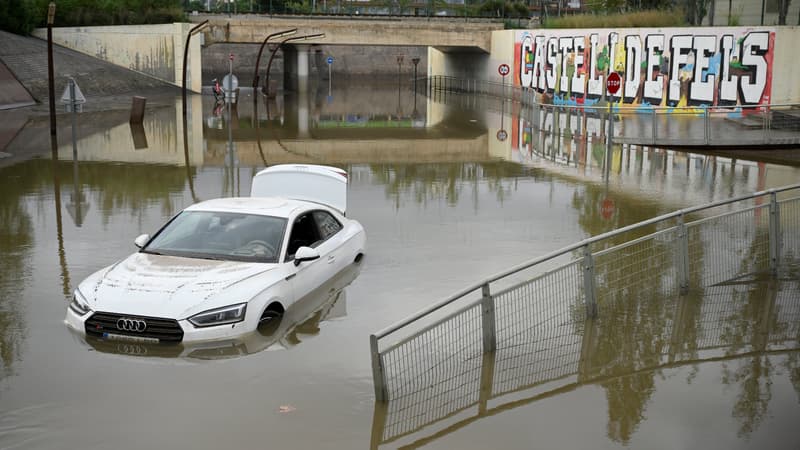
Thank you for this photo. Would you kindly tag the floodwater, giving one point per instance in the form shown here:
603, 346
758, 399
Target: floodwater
446, 200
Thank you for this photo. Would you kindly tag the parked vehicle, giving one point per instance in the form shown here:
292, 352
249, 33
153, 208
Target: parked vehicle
221, 267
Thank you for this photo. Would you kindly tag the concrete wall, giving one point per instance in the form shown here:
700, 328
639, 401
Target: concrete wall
349, 61
154, 50
712, 66
786, 71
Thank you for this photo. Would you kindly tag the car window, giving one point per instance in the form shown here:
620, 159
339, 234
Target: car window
304, 234
220, 235
327, 224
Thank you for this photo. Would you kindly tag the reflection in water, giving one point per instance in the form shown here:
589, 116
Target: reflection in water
300, 322
421, 163
16, 241
625, 351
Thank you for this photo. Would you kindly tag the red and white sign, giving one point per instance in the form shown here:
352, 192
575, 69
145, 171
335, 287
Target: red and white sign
613, 83
607, 208
503, 70
231, 57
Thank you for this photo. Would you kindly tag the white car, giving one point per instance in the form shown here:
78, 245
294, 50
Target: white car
220, 267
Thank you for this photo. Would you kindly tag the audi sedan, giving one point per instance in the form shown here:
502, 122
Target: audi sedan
221, 267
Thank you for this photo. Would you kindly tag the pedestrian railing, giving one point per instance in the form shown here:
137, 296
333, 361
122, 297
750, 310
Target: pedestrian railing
540, 301
736, 125
638, 336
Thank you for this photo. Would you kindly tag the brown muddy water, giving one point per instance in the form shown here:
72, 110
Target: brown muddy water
444, 203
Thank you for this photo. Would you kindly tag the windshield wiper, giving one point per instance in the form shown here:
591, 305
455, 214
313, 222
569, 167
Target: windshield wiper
151, 252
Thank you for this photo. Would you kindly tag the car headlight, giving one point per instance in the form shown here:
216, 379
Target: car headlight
219, 316
79, 305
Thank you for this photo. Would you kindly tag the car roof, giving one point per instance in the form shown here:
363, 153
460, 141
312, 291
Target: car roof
265, 206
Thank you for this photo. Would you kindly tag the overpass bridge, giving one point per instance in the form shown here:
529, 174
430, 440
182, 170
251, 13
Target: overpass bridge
447, 35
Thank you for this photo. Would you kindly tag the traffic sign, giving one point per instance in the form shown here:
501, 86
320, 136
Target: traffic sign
607, 208
502, 135
503, 69
330, 60
613, 82
231, 57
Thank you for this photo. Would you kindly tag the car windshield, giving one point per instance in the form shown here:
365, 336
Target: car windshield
220, 235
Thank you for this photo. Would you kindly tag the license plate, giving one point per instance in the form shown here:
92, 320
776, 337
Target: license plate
123, 337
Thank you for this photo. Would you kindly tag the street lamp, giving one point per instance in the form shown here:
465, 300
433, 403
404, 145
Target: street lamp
192, 32
294, 38
279, 34
51, 14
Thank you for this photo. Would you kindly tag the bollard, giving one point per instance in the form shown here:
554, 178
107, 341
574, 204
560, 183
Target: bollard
137, 110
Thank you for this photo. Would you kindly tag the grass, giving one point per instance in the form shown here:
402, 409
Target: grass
651, 18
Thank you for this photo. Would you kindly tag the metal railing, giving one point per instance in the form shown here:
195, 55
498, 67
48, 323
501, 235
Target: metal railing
669, 254
719, 323
737, 125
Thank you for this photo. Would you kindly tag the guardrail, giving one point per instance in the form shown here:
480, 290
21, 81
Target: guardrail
737, 125
669, 254
638, 339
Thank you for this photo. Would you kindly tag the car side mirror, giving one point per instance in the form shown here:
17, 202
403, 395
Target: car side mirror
141, 240
305, 254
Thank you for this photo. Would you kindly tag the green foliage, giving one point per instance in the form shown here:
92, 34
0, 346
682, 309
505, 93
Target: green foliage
16, 16
499, 8
21, 16
652, 18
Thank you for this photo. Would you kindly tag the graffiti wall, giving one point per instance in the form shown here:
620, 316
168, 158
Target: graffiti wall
674, 67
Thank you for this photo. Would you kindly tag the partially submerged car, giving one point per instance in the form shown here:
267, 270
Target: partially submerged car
221, 267
298, 324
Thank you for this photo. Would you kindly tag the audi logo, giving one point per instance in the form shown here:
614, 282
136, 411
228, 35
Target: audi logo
126, 324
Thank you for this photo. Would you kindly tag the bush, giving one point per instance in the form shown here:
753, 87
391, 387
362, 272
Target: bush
16, 16
651, 18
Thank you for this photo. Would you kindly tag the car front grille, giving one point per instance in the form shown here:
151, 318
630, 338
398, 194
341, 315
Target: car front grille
165, 330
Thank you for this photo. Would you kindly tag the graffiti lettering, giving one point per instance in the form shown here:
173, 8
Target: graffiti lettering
660, 69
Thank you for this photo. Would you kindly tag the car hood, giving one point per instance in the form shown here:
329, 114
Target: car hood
167, 286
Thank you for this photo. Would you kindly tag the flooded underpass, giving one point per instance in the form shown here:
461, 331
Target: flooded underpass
446, 200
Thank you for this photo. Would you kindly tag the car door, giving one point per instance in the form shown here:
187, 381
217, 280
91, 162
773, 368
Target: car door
332, 245
307, 275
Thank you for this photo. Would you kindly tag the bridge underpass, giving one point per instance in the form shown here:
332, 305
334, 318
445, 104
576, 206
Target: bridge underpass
444, 36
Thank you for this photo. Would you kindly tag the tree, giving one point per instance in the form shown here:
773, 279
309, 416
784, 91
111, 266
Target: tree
696, 11
783, 10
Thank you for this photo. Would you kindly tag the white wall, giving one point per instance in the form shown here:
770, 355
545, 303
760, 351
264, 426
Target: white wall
153, 50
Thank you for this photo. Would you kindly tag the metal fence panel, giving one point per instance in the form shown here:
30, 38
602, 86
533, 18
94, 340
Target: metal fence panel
638, 267
548, 300
726, 246
432, 361
790, 233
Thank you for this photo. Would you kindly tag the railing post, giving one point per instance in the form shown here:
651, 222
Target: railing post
705, 124
683, 256
654, 126
774, 233
488, 320
588, 282
378, 376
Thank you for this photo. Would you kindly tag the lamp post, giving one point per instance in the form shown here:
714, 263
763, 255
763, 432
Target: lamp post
192, 32
415, 61
279, 34
293, 38
51, 14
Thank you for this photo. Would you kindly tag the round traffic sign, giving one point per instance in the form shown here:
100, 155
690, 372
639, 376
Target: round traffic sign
613, 82
607, 208
330, 60
503, 69
502, 135
230, 57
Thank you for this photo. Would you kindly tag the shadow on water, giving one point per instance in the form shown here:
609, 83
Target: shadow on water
635, 340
